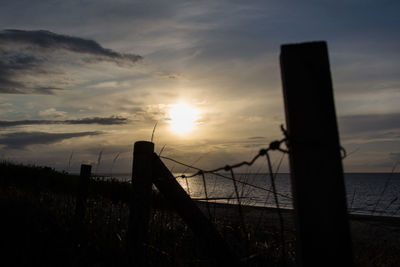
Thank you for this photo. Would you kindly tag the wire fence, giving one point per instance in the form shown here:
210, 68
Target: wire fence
111, 217
228, 172
376, 205
273, 146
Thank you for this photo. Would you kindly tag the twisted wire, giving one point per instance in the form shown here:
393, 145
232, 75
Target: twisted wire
200, 171
275, 145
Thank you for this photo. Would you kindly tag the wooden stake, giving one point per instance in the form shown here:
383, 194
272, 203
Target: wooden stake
316, 167
82, 193
140, 205
80, 232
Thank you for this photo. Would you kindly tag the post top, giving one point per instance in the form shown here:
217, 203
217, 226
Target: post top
304, 45
86, 166
86, 169
143, 147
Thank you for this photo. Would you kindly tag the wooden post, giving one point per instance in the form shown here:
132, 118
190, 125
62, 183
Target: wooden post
192, 215
140, 202
80, 235
82, 193
315, 160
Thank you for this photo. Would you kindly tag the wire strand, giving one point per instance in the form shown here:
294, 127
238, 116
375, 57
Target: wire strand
200, 171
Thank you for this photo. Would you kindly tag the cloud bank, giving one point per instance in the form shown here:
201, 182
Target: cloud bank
21, 140
353, 124
51, 41
95, 120
25, 55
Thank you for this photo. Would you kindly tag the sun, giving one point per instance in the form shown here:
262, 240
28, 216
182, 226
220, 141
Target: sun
182, 118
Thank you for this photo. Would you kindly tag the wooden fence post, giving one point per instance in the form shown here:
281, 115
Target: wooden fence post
318, 187
80, 235
140, 202
192, 215
82, 193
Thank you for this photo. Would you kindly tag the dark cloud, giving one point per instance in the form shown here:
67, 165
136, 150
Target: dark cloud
98, 120
26, 54
52, 41
395, 156
257, 138
14, 65
369, 123
95, 120
20, 140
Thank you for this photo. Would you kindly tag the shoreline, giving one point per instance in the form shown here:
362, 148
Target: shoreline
268, 215
376, 236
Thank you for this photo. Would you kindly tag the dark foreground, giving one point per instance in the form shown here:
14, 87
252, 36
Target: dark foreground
376, 239
38, 228
35, 234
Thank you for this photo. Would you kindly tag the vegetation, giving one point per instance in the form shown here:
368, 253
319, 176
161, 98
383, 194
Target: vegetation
38, 210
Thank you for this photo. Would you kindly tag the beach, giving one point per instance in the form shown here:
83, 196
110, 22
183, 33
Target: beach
375, 238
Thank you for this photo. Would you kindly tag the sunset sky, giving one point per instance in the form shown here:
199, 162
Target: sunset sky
81, 77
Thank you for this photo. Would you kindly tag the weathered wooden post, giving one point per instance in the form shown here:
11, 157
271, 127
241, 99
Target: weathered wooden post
82, 193
140, 202
315, 161
80, 235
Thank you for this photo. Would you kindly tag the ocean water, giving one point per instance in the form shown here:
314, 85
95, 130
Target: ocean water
367, 193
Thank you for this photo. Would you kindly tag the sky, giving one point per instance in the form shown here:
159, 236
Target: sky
81, 81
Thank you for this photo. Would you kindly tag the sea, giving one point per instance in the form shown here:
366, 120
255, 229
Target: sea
367, 193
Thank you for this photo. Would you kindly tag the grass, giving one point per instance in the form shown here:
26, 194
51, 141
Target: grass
38, 205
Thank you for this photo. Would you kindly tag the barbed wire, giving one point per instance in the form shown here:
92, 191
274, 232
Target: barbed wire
281, 223
273, 146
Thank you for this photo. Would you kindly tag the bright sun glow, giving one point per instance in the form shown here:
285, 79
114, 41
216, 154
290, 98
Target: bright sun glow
183, 118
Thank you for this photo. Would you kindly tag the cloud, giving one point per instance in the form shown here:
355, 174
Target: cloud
21, 140
257, 138
375, 129
95, 120
352, 124
99, 120
395, 156
51, 41
52, 112
31, 62
170, 75
14, 65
